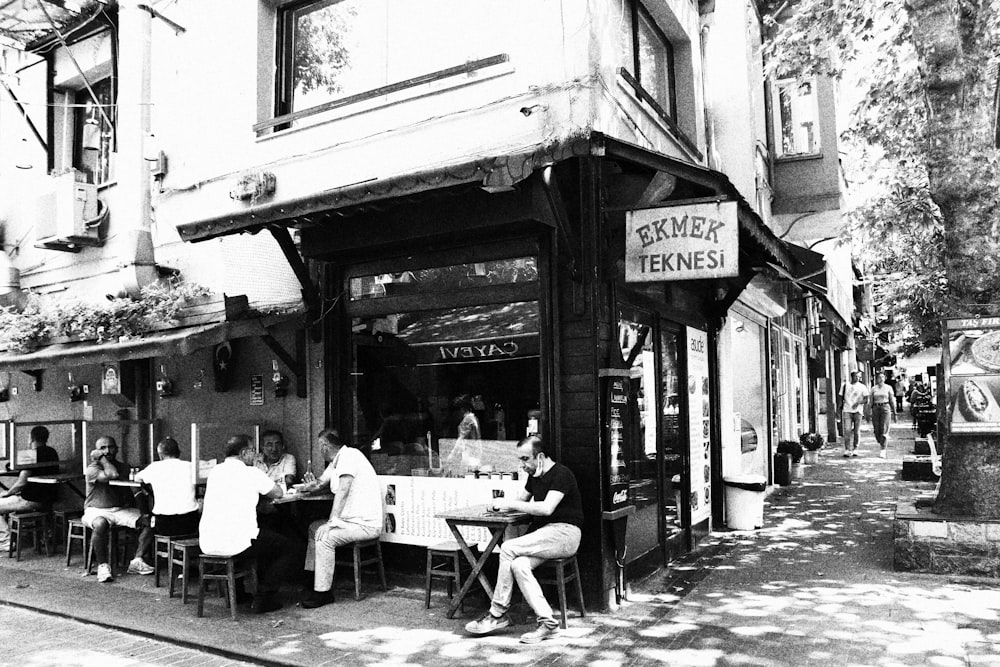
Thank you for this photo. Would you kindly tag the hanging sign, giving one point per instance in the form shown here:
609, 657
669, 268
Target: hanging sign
974, 387
683, 242
256, 390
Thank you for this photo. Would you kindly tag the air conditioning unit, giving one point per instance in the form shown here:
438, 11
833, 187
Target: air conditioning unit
69, 215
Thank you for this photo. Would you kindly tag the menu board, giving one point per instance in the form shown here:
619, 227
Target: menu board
412, 502
699, 424
974, 366
616, 406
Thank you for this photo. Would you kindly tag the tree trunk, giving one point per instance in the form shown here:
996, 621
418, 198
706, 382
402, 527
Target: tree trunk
956, 44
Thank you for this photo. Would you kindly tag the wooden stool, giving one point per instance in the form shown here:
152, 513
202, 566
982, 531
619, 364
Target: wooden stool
225, 570
183, 551
358, 563
558, 578
448, 567
60, 523
23, 524
76, 530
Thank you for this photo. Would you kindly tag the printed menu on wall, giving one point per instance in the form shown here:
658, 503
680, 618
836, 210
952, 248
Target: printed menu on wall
974, 357
699, 424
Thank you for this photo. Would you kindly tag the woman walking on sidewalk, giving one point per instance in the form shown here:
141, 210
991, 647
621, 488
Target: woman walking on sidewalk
883, 408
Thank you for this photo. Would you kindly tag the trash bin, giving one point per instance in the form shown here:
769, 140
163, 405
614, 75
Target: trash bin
745, 501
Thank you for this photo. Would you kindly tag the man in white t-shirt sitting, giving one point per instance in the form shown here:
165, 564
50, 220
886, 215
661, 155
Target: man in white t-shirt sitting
175, 509
356, 515
228, 524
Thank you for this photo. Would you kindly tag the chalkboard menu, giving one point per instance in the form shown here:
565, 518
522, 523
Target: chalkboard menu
615, 431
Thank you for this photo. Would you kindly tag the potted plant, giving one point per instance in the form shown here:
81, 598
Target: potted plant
811, 443
786, 462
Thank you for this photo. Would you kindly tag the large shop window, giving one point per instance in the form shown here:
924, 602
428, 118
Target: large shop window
445, 373
332, 49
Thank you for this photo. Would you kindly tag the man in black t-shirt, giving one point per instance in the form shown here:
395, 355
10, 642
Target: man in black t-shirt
26, 497
552, 498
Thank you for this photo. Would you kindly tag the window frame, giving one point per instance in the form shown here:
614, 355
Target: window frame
778, 134
78, 120
635, 76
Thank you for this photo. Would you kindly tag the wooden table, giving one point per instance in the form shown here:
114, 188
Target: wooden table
60, 478
303, 508
130, 483
496, 523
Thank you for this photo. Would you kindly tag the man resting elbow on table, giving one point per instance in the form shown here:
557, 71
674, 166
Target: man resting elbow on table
551, 496
25, 497
356, 513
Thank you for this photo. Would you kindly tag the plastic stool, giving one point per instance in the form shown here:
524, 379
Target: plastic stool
358, 562
23, 524
225, 570
183, 551
448, 567
558, 578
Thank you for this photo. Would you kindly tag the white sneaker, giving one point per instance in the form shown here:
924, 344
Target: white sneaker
103, 573
881, 454
139, 566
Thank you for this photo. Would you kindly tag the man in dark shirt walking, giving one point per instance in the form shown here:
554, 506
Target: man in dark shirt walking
552, 497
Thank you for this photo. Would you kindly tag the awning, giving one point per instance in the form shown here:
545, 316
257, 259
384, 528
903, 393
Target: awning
473, 334
491, 173
809, 273
169, 343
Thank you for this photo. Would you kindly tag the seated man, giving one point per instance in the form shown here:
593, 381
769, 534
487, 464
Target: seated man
552, 497
23, 496
106, 506
175, 510
229, 527
356, 513
274, 460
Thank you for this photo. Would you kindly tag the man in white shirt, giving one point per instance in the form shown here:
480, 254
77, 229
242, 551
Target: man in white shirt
171, 480
228, 524
852, 399
356, 515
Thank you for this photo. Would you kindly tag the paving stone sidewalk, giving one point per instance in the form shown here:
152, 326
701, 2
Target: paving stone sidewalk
815, 586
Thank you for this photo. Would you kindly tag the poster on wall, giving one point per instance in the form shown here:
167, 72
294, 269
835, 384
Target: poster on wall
699, 424
974, 356
411, 504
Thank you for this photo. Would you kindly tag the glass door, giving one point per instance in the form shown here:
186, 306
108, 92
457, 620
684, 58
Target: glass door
672, 433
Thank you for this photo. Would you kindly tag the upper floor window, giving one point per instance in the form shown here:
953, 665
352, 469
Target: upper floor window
796, 118
648, 57
332, 49
93, 134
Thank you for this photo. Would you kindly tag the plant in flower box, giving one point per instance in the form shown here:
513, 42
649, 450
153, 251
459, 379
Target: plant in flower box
811, 443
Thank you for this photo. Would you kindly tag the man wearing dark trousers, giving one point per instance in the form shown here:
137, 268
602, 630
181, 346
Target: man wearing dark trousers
229, 527
551, 496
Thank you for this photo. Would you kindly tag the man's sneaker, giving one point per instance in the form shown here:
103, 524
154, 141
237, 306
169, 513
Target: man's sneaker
855, 454
103, 573
539, 634
317, 599
881, 454
488, 624
139, 566
847, 455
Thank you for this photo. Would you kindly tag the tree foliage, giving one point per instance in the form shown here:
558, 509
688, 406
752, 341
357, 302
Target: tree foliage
320, 52
918, 191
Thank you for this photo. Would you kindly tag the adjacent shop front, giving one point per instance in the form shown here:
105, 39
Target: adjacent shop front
467, 308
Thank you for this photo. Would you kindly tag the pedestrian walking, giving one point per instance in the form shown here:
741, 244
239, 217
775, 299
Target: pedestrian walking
901, 389
883, 409
853, 398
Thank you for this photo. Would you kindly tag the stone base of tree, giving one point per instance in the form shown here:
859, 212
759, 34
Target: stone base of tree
934, 544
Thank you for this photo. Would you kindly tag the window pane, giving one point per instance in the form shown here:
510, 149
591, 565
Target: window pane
345, 47
797, 109
444, 279
94, 137
654, 63
447, 391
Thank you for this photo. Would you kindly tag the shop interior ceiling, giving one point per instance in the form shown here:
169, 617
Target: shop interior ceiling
24, 22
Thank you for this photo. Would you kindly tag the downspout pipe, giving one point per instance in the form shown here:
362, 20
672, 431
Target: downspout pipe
138, 266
